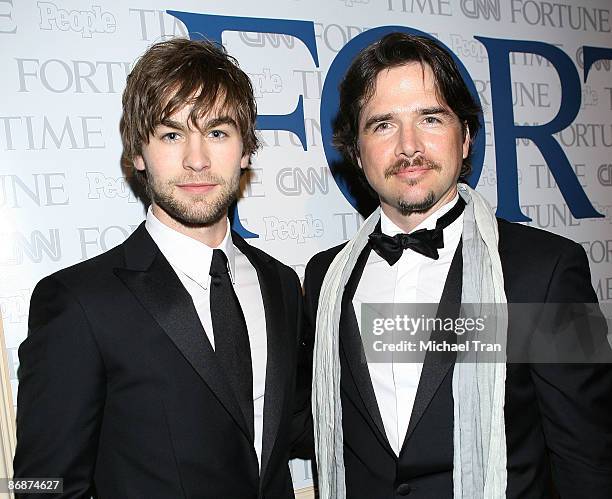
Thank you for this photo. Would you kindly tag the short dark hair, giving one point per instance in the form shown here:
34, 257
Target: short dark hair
398, 49
173, 73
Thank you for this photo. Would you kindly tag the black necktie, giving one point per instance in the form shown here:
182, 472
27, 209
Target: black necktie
231, 336
423, 241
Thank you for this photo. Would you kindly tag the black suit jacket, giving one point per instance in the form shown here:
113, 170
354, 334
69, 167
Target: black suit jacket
121, 393
558, 417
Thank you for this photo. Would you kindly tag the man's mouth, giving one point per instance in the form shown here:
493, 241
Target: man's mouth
197, 187
406, 169
413, 169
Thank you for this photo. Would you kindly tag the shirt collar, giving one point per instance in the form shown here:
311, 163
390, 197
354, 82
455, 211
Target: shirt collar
191, 257
389, 228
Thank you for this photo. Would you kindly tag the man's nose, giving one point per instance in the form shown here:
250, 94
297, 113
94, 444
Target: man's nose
197, 156
409, 141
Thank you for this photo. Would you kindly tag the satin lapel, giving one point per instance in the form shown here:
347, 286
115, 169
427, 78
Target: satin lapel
278, 332
156, 286
437, 364
352, 347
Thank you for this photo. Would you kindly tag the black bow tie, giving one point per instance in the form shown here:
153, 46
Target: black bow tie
423, 241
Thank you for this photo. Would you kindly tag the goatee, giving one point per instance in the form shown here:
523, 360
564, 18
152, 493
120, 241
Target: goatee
425, 204
406, 207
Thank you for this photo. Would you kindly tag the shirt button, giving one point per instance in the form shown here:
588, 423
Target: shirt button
404, 489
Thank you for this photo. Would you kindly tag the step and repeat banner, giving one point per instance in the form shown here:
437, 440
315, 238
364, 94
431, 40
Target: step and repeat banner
541, 69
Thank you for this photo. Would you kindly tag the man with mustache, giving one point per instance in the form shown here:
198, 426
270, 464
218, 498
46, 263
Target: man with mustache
441, 428
165, 367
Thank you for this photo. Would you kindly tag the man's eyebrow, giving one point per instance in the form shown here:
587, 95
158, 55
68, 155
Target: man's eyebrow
220, 120
212, 123
377, 118
435, 110
170, 123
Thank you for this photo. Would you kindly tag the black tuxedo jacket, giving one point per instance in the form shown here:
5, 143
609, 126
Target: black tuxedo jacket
558, 417
121, 393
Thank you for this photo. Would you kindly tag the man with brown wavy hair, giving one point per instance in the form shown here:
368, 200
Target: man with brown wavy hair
165, 366
397, 425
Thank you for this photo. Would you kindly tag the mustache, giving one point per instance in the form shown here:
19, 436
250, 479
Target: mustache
418, 162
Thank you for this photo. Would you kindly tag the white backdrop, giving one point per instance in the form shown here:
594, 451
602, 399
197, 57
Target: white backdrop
63, 197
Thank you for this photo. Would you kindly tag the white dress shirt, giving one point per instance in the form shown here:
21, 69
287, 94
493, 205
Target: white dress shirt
191, 261
415, 278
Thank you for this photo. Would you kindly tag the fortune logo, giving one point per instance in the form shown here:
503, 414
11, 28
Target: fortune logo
40, 189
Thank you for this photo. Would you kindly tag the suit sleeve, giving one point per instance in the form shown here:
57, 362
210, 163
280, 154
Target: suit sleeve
576, 399
303, 441
61, 393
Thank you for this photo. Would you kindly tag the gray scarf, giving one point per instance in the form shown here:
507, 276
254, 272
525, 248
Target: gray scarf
479, 470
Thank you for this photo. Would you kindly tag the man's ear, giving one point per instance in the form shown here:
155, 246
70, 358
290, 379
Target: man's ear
139, 163
466, 141
244, 161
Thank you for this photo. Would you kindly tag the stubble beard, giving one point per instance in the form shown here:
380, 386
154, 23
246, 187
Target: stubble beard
198, 210
407, 207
